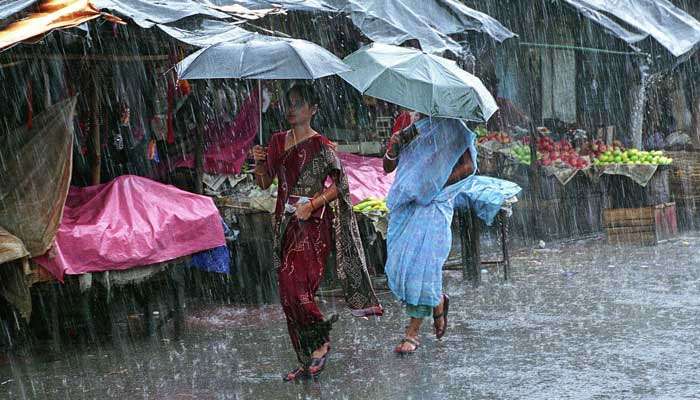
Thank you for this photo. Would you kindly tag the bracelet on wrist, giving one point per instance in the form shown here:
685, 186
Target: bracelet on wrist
390, 158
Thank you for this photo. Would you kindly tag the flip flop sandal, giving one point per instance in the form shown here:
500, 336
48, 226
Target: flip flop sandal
298, 373
415, 344
439, 333
319, 363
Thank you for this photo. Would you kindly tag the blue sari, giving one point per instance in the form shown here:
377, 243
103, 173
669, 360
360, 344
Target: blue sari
421, 207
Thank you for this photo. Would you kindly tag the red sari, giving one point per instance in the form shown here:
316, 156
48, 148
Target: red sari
302, 247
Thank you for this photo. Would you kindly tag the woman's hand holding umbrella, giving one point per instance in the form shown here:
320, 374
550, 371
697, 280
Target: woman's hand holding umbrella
259, 155
261, 174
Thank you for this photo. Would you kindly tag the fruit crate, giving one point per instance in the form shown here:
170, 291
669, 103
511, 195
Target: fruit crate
623, 192
642, 226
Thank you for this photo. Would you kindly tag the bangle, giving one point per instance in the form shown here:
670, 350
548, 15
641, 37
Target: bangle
388, 157
325, 200
313, 207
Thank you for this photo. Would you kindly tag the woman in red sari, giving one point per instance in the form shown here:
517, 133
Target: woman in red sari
307, 228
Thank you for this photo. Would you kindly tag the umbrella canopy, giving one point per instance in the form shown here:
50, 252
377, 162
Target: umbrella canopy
419, 81
264, 57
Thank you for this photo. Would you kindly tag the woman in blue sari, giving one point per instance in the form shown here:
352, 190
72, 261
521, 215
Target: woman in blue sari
435, 159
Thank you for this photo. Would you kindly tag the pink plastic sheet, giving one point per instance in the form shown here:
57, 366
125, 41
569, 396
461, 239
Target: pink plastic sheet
366, 177
128, 222
227, 144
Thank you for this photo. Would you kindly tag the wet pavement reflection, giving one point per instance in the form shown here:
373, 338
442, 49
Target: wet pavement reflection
580, 320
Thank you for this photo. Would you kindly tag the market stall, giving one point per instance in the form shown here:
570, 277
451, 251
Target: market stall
566, 202
578, 178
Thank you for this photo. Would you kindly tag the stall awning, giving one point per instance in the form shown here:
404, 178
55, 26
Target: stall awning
11, 247
11, 7
53, 14
395, 21
202, 33
146, 13
58, 14
637, 20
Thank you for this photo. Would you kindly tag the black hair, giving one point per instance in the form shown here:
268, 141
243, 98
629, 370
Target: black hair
306, 92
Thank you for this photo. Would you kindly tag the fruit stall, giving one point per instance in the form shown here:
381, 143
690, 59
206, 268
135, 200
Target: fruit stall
373, 221
576, 183
566, 203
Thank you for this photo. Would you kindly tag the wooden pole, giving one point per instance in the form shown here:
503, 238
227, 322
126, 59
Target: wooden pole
534, 170
95, 134
470, 227
111, 58
696, 122
198, 144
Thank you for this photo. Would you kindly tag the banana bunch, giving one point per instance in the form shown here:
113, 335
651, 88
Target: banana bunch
371, 204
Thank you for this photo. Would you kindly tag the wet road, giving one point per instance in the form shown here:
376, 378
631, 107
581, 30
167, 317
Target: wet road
580, 321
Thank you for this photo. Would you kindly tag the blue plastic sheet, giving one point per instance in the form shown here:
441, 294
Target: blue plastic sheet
217, 259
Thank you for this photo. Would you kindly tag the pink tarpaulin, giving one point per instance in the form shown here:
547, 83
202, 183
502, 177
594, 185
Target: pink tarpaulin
227, 144
366, 177
128, 222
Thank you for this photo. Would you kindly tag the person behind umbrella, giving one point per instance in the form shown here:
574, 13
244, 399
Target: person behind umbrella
419, 286
305, 226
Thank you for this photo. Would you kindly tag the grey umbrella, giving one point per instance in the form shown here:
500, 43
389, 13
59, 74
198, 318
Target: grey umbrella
263, 57
419, 81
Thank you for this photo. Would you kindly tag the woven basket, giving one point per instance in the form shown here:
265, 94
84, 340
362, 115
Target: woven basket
685, 176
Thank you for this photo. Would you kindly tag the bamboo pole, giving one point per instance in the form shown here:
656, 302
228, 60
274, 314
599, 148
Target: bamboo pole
88, 57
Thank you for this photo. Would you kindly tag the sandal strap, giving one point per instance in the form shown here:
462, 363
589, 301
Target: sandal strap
411, 341
292, 375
